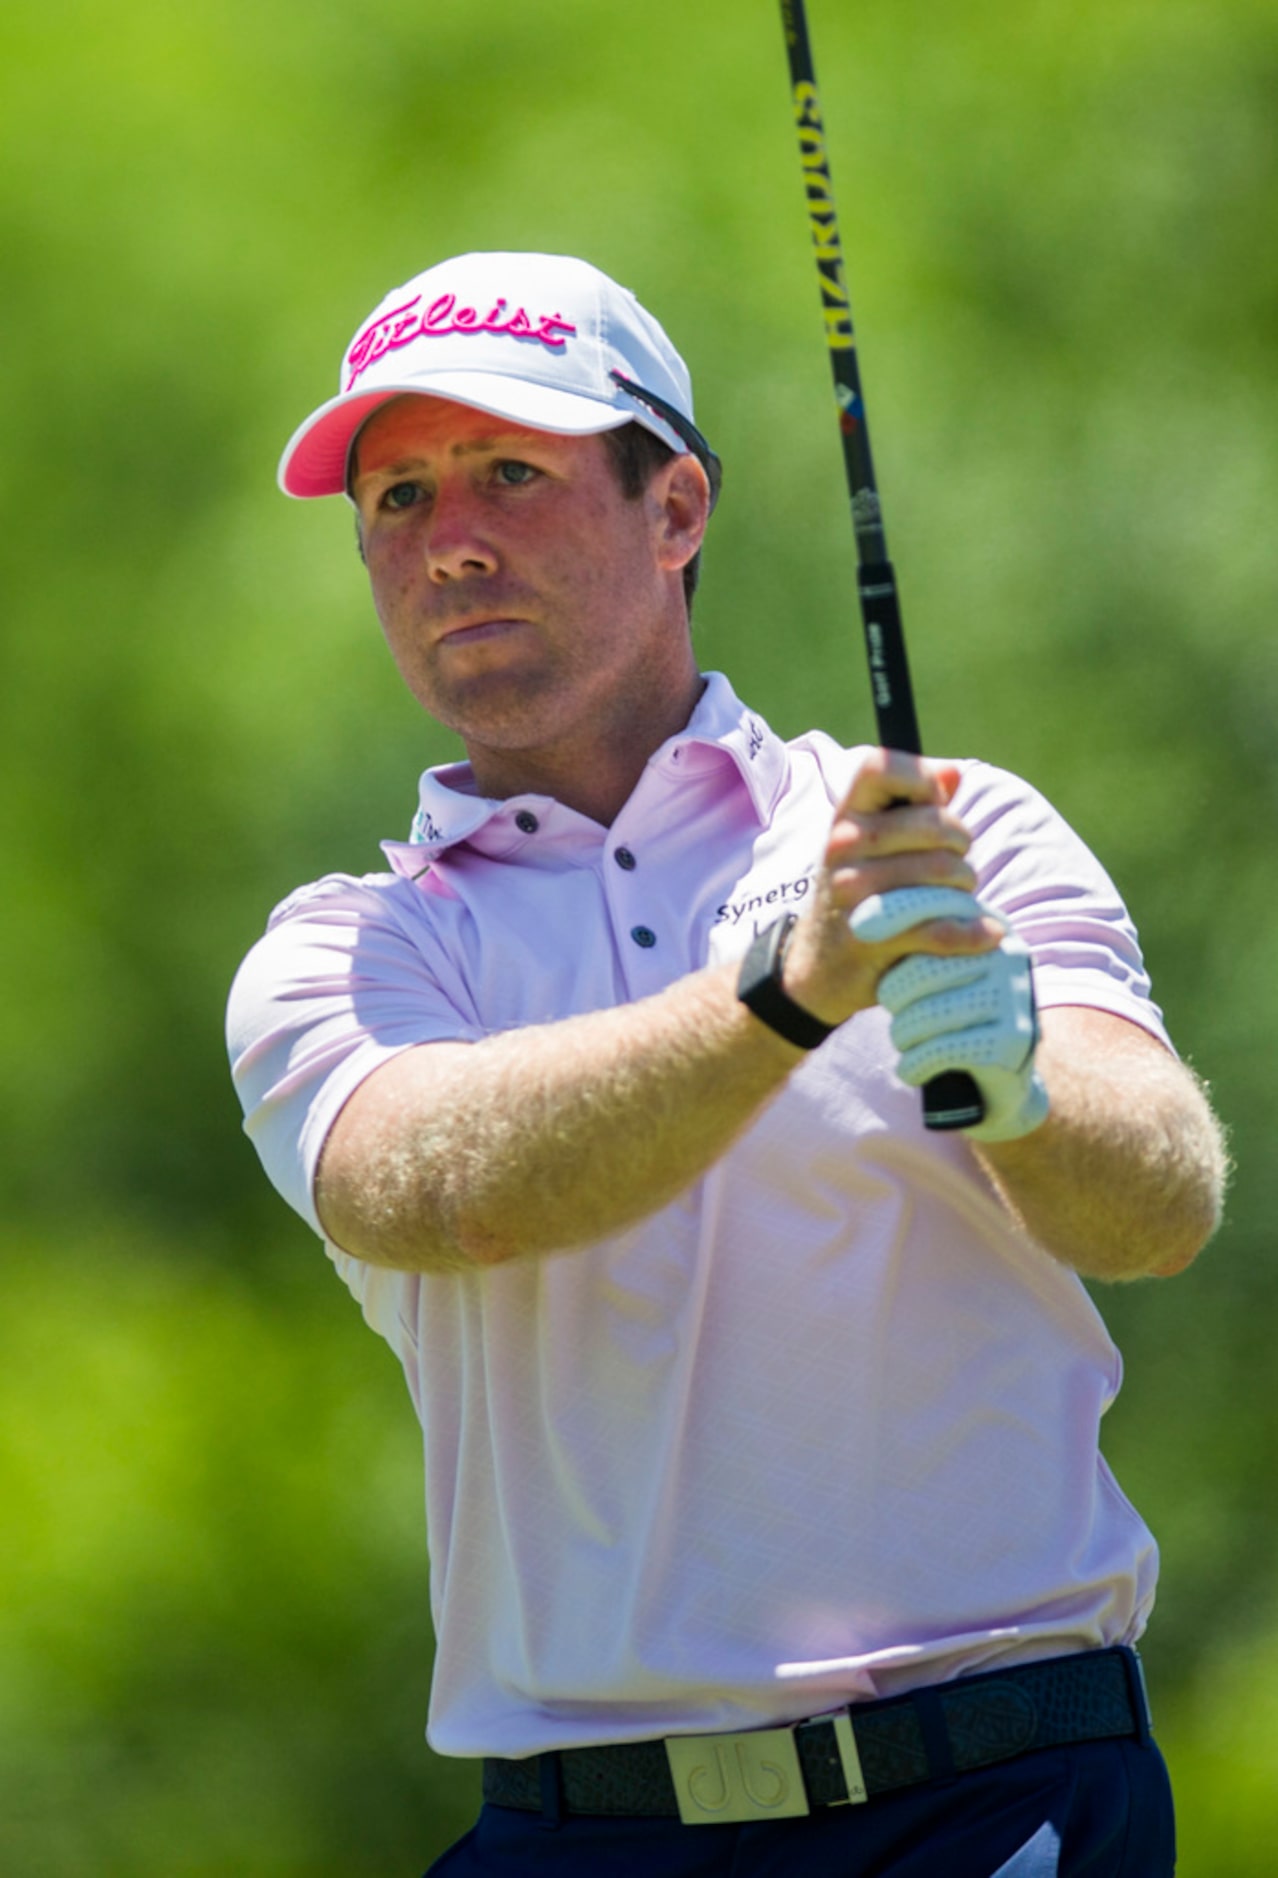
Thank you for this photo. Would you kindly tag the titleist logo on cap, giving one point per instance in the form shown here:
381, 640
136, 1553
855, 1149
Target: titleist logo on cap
405, 323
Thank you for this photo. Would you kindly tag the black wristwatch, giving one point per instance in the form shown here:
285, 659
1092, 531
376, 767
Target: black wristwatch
759, 987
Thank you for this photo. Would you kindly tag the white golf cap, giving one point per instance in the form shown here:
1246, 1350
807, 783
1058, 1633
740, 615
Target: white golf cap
542, 339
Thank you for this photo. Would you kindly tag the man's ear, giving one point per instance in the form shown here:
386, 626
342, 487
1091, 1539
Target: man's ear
681, 491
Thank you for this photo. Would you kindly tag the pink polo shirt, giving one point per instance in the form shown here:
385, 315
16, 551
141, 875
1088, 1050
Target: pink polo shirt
826, 1427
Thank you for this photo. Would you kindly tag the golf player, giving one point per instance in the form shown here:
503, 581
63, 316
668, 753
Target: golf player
769, 1530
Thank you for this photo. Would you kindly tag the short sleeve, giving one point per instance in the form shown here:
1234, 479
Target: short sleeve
1034, 869
346, 977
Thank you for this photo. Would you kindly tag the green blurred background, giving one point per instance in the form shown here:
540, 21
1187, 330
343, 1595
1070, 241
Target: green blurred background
214, 1643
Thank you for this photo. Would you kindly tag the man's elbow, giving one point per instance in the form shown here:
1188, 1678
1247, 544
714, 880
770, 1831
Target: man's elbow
1196, 1224
1205, 1168
370, 1219
1192, 1212
380, 1223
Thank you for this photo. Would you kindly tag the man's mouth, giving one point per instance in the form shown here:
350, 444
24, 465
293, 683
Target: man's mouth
473, 632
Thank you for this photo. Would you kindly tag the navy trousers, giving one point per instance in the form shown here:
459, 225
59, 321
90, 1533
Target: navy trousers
1099, 1810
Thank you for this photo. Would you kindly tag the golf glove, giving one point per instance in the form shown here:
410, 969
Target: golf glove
975, 1014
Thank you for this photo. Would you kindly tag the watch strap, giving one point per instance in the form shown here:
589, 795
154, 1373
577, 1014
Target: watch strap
760, 989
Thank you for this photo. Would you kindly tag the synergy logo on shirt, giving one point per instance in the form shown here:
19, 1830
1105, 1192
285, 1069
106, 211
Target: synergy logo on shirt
788, 893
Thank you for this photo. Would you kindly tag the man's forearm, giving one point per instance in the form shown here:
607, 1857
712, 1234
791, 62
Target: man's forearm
1126, 1177
543, 1139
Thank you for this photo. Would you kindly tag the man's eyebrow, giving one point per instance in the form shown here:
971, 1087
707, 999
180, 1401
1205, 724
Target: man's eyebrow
404, 466
499, 437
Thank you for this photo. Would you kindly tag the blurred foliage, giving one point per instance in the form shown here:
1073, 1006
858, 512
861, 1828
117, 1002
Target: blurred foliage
214, 1637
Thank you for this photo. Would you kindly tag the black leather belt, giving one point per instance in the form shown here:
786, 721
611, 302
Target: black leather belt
866, 1749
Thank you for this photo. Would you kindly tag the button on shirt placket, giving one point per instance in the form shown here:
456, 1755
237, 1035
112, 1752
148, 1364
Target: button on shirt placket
638, 937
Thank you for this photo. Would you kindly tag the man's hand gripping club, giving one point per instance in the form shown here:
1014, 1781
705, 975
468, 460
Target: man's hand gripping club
895, 921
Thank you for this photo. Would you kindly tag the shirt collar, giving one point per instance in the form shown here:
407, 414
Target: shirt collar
721, 723
449, 811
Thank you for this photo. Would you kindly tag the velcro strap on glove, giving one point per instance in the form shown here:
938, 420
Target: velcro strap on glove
888, 915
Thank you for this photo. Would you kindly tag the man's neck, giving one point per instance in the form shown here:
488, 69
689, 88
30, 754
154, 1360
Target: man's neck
598, 775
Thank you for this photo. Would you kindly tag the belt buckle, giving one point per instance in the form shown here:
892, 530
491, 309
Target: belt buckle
724, 1780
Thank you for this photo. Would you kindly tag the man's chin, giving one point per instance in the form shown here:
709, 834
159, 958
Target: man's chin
497, 708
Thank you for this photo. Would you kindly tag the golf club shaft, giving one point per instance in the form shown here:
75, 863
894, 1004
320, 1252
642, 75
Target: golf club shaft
951, 1100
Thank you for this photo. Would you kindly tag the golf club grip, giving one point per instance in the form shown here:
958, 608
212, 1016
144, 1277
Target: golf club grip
951, 1100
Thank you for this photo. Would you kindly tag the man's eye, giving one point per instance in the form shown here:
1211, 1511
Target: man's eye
402, 495
514, 473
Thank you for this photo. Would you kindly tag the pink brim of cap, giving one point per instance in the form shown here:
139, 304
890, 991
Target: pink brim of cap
314, 462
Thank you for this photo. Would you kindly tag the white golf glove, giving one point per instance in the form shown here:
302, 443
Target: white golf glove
975, 1014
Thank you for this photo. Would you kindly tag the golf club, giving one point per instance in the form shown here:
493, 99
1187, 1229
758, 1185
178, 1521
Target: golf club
952, 1099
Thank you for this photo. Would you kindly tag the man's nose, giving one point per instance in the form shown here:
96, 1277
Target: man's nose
457, 543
